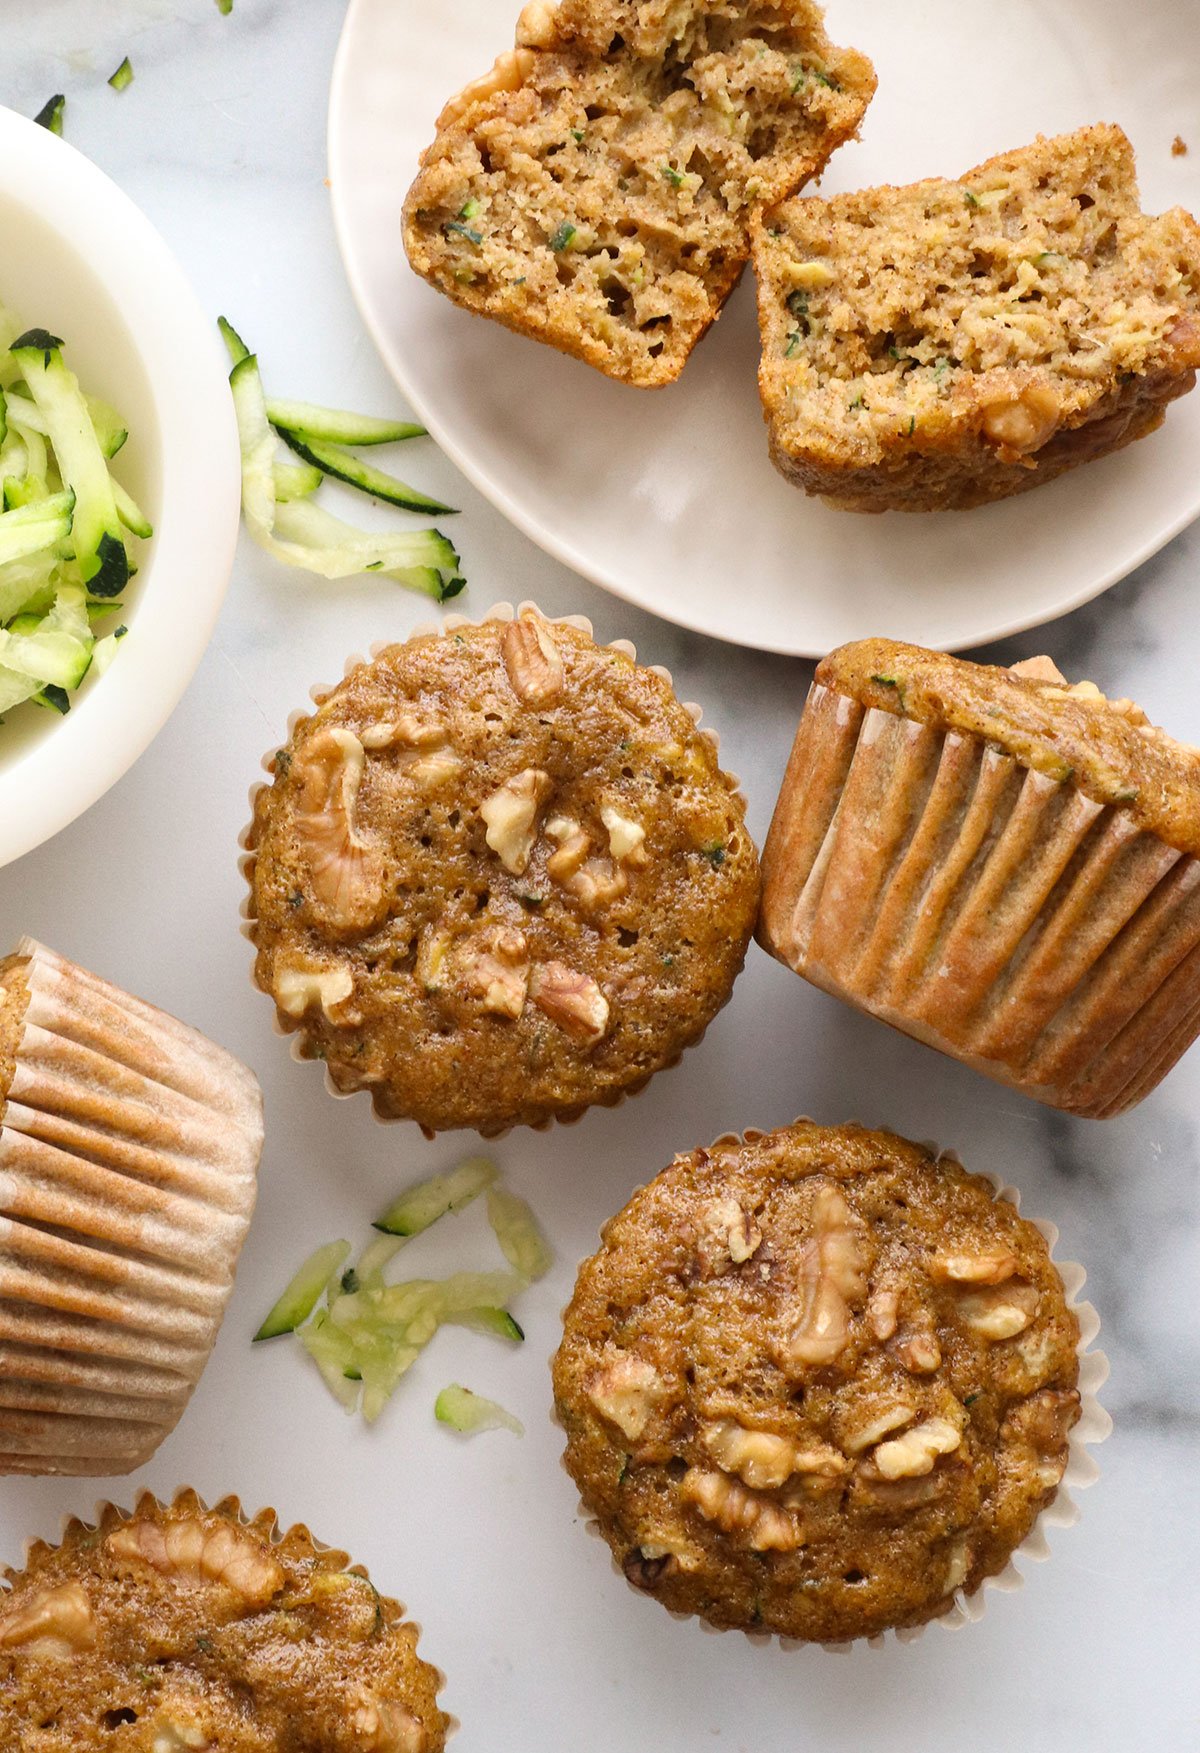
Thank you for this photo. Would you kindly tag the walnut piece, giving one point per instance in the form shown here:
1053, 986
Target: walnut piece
919, 1352
382, 1725
172, 1735
1023, 423
193, 1553
535, 30
765, 1461
627, 1391
999, 1311
912, 1455
570, 999
506, 74
426, 755
626, 838
298, 989
55, 1625
573, 847
992, 1266
347, 873
531, 656
737, 1509
597, 883
878, 1425
1040, 1426
511, 814
833, 1266
735, 1230
883, 1311
959, 1566
496, 969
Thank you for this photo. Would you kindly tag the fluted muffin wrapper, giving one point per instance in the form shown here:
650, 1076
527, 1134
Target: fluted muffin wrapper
1093, 1426
128, 1153
107, 1515
990, 911
293, 1027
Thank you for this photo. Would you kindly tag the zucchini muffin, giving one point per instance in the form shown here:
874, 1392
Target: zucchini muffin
594, 189
939, 346
129, 1146
817, 1381
182, 1627
499, 875
1005, 867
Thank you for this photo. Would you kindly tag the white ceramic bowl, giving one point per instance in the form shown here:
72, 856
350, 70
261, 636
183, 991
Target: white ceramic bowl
81, 260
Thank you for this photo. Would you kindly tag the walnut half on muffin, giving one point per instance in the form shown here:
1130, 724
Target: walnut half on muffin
183, 1629
817, 1381
954, 342
594, 189
1002, 865
499, 876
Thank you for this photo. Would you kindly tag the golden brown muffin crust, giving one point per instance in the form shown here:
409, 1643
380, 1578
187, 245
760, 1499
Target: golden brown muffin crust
14, 998
1106, 748
536, 892
187, 1628
594, 189
816, 1381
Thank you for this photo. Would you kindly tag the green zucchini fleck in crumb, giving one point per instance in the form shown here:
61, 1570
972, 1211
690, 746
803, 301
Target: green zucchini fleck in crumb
673, 176
561, 239
469, 209
461, 230
972, 200
715, 855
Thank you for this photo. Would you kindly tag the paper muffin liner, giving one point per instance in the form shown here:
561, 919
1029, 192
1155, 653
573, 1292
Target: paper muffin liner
998, 915
128, 1153
1093, 1426
107, 1515
295, 1027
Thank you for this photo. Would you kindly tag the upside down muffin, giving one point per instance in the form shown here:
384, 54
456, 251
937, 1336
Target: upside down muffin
817, 1381
1005, 866
499, 876
955, 342
182, 1629
594, 189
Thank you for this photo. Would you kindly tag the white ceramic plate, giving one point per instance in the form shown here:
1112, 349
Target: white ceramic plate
81, 260
669, 499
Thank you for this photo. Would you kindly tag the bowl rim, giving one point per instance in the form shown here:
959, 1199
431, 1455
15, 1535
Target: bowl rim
188, 564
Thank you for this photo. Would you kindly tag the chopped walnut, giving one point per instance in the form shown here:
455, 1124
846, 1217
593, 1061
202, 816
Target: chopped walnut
573, 847
627, 1391
382, 1725
958, 1567
919, 1352
506, 74
764, 1461
531, 656
495, 967
1037, 669
833, 1265
299, 989
883, 1311
55, 1625
535, 30
193, 1553
1019, 424
597, 883
992, 1266
999, 1311
1041, 1427
735, 1229
626, 838
172, 1735
347, 872
877, 1425
912, 1455
737, 1509
570, 999
511, 815
426, 755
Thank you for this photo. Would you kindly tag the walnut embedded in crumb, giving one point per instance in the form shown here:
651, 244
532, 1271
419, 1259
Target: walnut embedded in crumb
298, 989
737, 1509
532, 658
381, 1725
56, 1625
832, 1269
912, 1455
194, 1553
734, 1229
572, 1000
1019, 424
347, 873
506, 74
511, 816
495, 968
627, 1390
991, 1266
999, 1311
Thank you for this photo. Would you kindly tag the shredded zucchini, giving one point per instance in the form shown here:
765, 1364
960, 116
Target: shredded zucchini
519, 1234
470, 1413
423, 1204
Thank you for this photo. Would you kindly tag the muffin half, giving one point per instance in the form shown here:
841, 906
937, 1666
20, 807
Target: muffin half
942, 345
186, 1627
128, 1151
817, 1381
594, 189
1001, 865
499, 876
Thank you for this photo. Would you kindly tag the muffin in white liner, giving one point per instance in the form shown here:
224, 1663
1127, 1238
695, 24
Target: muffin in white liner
558, 896
700, 1511
182, 1626
129, 1146
1004, 867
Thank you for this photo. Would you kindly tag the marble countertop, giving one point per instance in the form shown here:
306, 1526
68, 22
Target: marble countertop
220, 139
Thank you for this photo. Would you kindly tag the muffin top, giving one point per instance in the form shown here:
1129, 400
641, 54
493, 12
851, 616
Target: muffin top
499, 876
817, 1381
1108, 748
184, 1627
